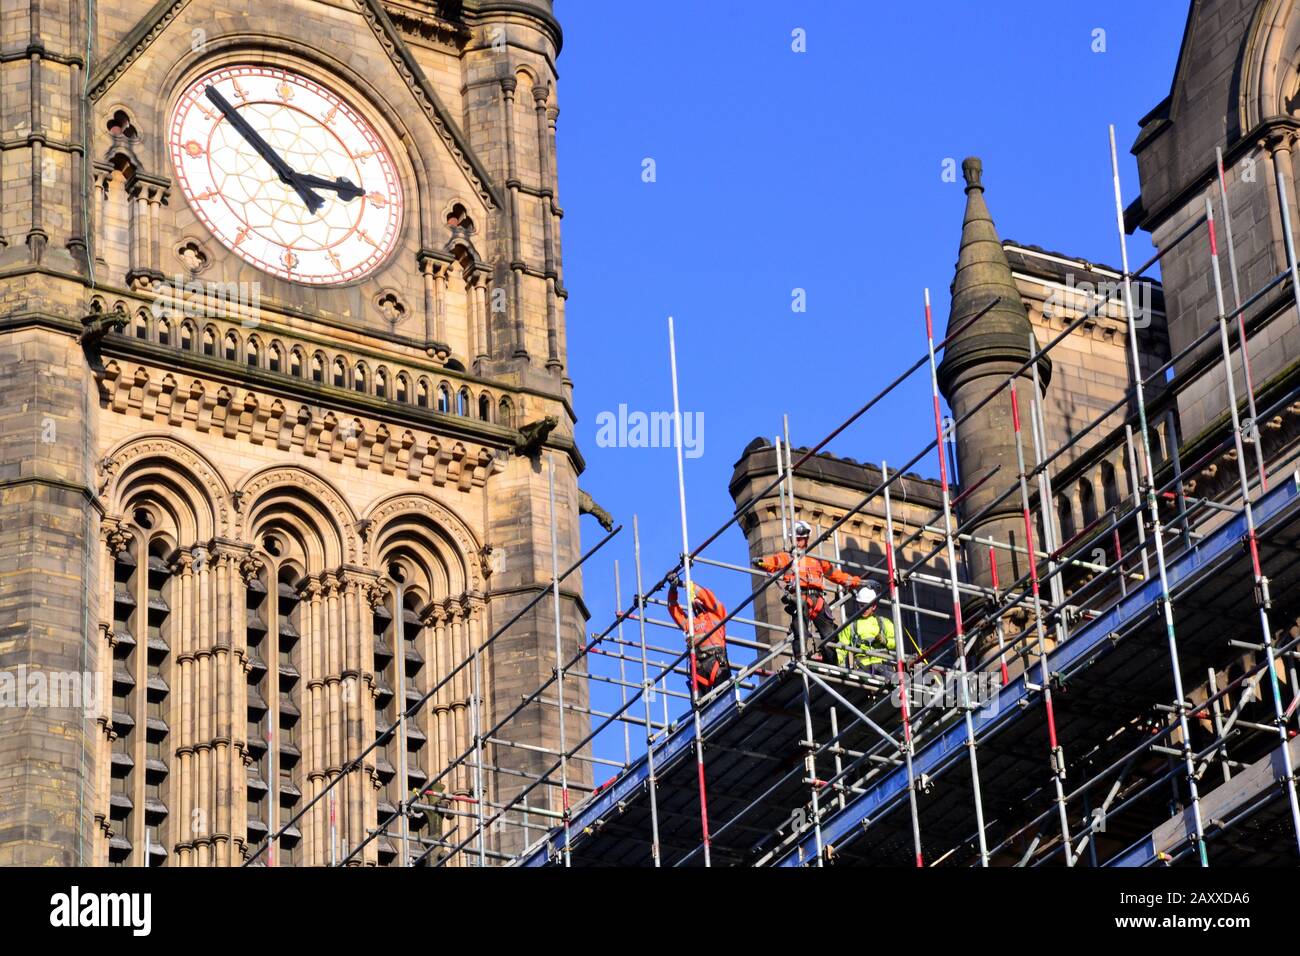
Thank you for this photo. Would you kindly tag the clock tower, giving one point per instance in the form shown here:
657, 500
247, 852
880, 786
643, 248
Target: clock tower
284, 381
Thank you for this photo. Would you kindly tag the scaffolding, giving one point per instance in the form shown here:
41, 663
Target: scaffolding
959, 755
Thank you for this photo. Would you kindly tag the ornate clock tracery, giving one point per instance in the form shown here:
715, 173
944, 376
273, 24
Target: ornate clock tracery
285, 173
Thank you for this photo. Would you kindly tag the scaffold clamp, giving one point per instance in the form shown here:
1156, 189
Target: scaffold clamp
1058, 761
1263, 598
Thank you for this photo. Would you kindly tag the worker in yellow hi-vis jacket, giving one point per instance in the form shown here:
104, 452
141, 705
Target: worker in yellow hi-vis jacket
867, 643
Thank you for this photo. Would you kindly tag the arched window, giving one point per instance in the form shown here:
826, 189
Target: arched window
122, 768
1087, 501
258, 728
399, 684
140, 326
463, 402
506, 413
209, 342
274, 357
360, 379
444, 398
340, 374
318, 368
254, 354
387, 755
485, 407
159, 598
422, 394
1109, 488
403, 387
1065, 515
164, 332
187, 336
143, 598
232, 347
288, 674
295, 362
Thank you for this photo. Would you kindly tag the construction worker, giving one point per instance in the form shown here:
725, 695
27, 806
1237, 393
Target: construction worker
863, 642
813, 575
710, 649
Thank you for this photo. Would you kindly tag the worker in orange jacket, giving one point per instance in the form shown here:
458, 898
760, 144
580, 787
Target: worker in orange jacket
711, 665
814, 575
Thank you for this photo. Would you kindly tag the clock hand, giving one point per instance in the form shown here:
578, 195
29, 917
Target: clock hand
264, 149
345, 188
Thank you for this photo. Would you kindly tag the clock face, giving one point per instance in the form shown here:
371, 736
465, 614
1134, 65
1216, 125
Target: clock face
233, 149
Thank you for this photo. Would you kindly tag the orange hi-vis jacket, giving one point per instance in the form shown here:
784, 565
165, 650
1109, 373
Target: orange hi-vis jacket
813, 575
711, 616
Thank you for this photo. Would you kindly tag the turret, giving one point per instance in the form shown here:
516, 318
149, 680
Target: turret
978, 362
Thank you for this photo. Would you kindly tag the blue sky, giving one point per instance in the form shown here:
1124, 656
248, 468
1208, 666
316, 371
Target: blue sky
776, 171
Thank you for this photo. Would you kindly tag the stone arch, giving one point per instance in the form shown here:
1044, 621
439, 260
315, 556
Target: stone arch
302, 500
422, 526
1267, 68
174, 473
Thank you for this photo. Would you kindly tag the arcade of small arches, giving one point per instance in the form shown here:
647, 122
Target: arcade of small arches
259, 637
322, 367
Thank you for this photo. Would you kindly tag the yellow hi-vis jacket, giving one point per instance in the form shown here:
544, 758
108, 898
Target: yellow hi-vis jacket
869, 633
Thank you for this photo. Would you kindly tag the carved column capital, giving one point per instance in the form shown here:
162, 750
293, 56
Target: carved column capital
250, 568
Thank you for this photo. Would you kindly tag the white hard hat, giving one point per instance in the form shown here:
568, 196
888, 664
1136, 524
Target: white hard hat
866, 595
802, 529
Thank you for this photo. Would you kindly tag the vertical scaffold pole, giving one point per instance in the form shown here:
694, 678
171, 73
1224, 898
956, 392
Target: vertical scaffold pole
959, 629
1038, 431
1261, 582
647, 692
1256, 435
622, 670
904, 683
403, 777
1153, 509
1135, 483
1057, 754
690, 605
559, 661
998, 629
796, 556
476, 716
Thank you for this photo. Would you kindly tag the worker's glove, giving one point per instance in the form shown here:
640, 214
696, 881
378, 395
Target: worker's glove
757, 562
674, 580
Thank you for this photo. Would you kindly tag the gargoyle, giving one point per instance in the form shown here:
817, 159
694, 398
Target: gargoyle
98, 324
533, 435
587, 506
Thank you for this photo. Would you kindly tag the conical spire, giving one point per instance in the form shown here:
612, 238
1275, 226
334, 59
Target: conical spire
983, 274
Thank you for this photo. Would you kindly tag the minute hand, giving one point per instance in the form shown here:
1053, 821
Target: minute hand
264, 149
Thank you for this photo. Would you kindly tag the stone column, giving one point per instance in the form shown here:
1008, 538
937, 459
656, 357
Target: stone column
541, 93
228, 583
436, 621
508, 85
315, 712
186, 685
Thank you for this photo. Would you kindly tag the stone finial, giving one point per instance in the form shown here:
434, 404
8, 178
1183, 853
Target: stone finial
972, 169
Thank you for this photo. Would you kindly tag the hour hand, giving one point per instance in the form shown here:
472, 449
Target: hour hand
346, 189
264, 149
